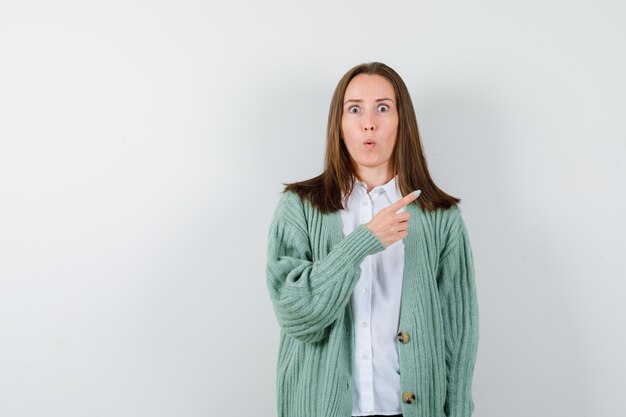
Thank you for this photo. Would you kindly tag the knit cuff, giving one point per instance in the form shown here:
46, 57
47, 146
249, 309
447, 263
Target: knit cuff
360, 243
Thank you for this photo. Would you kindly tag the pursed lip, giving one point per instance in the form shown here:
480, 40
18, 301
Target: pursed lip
366, 141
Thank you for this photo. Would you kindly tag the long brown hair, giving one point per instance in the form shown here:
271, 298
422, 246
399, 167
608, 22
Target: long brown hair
324, 192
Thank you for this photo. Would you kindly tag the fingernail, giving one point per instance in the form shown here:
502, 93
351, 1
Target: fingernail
417, 193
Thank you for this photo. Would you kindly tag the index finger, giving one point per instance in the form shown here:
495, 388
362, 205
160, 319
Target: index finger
404, 200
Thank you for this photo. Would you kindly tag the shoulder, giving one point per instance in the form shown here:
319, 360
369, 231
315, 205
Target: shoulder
290, 210
455, 233
289, 204
454, 219
444, 220
445, 225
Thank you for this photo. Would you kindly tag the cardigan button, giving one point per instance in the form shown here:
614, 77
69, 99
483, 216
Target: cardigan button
408, 397
403, 337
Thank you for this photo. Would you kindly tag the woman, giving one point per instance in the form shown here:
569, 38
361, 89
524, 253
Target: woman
372, 286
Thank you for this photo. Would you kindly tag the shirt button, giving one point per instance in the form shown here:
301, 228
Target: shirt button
364, 324
364, 290
364, 356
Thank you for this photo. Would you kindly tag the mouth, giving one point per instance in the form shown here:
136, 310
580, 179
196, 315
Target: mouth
369, 144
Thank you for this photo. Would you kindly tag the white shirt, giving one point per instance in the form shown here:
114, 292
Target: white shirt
376, 308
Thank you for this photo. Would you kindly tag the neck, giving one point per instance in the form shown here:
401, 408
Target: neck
375, 178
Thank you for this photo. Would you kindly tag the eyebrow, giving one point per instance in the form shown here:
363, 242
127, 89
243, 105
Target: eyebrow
359, 100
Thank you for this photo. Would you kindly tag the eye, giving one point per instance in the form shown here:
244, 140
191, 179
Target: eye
385, 107
352, 107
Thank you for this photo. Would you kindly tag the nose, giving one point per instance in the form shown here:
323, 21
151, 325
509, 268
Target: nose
368, 122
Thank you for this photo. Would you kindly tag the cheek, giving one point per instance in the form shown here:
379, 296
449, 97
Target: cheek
393, 133
352, 144
347, 132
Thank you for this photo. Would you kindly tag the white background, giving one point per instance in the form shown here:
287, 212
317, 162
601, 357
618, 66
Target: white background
143, 147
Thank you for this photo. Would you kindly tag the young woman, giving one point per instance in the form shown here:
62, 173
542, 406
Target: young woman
373, 287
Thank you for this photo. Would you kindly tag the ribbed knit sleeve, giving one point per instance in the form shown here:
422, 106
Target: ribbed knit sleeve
459, 306
308, 296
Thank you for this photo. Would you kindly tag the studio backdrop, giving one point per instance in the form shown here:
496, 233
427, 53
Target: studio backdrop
143, 148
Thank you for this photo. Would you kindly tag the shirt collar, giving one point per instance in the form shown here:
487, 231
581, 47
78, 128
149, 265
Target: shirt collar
391, 188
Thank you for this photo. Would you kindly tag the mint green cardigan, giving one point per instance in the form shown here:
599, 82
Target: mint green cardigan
312, 269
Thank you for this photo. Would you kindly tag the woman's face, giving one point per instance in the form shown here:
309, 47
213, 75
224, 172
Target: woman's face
370, 120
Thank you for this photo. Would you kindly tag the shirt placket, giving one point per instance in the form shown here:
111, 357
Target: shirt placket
364, 323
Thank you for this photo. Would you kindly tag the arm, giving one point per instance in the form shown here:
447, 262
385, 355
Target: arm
459, 305
308, 296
